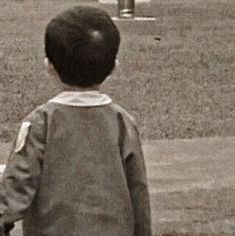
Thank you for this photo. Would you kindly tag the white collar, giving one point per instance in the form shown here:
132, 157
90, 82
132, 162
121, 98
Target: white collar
82, 99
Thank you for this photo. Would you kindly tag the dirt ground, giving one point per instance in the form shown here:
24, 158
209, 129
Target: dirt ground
192, 186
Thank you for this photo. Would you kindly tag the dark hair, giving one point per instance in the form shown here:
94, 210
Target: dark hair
82, 44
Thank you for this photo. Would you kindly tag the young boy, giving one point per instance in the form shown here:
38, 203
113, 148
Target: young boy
77, 167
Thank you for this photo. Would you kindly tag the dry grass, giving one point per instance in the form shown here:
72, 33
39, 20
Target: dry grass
181, 86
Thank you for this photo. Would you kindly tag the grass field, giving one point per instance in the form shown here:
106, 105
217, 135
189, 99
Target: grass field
176, 75
191, 186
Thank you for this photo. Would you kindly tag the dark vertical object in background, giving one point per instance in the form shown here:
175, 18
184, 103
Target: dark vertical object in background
126, 8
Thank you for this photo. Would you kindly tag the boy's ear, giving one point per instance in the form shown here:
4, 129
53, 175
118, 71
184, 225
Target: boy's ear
116, 66
117, 63
49, 67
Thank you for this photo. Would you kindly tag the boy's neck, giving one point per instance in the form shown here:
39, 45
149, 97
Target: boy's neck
81, 89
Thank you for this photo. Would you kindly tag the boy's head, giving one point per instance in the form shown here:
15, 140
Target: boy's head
82, 44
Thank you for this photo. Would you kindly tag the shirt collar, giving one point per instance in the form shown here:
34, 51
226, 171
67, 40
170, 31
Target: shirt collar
82, 99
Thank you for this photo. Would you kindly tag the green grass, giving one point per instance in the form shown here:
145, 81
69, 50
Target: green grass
179, 87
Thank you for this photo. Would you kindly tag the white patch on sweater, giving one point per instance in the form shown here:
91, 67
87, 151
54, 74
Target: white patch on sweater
22, 135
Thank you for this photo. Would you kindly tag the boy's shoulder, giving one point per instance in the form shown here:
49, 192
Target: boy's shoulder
34, 124
126, 116
123, 111
41, 112
39, 115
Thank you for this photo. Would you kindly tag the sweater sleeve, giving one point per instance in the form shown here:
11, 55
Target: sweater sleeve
135, 169
20, 179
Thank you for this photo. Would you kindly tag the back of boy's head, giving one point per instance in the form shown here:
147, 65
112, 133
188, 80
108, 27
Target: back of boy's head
82, 44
